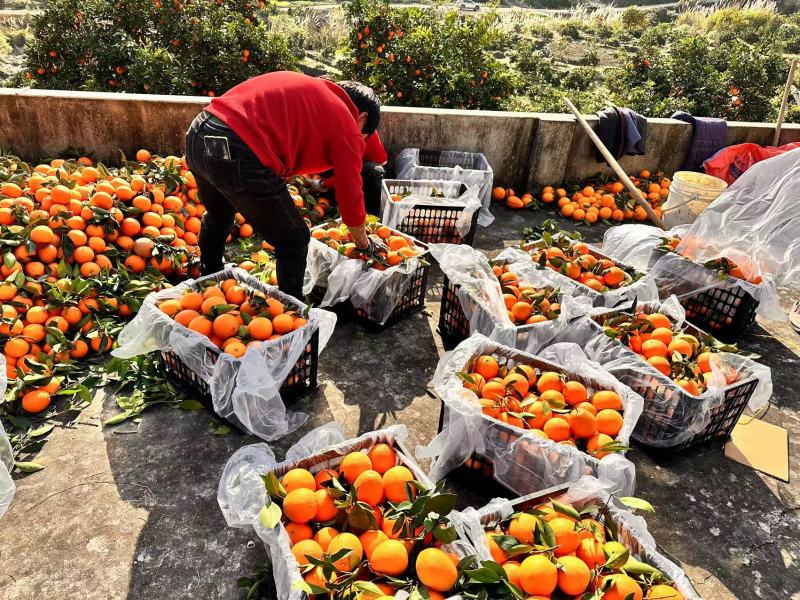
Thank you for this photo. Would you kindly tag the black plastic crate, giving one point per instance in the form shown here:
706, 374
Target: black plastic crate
412, 300
429, 222
669, 410
500, 434
454, 327
301, 379
725, 312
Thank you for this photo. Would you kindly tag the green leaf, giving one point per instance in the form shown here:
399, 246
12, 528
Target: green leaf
28, 467
117, 419
190, 404
637, 503
40, 431
566, 510
270, 515
219, 429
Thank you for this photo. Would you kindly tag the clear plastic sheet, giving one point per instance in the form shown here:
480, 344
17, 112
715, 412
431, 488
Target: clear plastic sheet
479, 174
631, 529
375, 292
481, 296
530, 462
393, 213
7, 486
755, 223
667, 399
244, 390
643, 290
241, 493
636, 245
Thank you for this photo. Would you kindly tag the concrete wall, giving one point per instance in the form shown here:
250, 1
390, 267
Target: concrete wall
525, 149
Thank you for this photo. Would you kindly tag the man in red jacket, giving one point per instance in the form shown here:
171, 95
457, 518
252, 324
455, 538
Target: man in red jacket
270, 127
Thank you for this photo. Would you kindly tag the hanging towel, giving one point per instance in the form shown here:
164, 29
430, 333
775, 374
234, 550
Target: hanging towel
709, 137
636, 133
622, 131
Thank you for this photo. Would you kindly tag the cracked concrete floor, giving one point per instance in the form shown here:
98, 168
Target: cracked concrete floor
131, 512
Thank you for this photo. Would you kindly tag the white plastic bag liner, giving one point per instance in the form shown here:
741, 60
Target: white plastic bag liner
245, 390
627, 366
636, 245
631, 528
241, 493
7, 486
467, 167
530, 463
481, 297
755, 223
375, 292
421, 196
643, 290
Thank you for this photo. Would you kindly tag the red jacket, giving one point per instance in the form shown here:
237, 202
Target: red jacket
374, 152
296, 124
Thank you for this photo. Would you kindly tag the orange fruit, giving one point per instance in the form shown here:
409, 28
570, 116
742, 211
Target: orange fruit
658, 320
350, 542
370, 540
395, 484
305, 548
567, 535
680, 346
607, 399
622, 587
652, 348
590, 551
389, 557
609, 421
282, 323
41, 234
369, 487
382, 457
486, 367
260, 328
35, 401
661, 364
225, 326
324, 536
326, 509
549, 380
594, 445
299, 532
583, 424
323, 476
662, 592
662, 334
495, 550
538, 576
201, 325
210, 303
353, 465
574, 392
522, 527
192, 301
300, 505
557, 429
170, 307
298, 478
435, 570
573, 575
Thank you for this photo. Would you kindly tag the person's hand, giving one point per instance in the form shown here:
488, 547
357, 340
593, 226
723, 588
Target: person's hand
315, 185
374, 246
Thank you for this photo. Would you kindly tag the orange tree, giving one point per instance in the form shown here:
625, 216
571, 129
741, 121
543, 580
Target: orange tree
152, 46
419, 57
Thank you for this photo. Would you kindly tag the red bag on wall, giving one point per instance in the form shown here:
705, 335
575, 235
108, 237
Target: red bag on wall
729, 163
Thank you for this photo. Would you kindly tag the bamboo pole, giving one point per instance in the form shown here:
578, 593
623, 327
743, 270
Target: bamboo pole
784, 102
623, 176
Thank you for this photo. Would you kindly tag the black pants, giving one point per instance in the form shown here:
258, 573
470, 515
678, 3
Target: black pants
372, 175
232, 180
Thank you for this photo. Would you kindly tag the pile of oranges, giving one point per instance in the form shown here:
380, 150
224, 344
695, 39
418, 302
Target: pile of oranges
81, 247
355, 524
338, 237
574, 259
525, 303
596, 200
581, 555
723, 266
548, 403
314, 209
232, 315
507, 195
671, 351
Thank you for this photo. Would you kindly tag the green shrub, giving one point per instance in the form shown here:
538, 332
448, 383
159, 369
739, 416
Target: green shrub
420, 57
134, 46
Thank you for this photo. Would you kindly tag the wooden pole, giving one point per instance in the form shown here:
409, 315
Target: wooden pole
623, 176
784, 102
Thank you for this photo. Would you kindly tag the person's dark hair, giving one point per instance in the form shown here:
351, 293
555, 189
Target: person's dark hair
366, 101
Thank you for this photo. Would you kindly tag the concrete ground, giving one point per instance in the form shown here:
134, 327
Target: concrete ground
131, 512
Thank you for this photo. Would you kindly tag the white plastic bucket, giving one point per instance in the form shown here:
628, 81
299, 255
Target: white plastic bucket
689, 195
